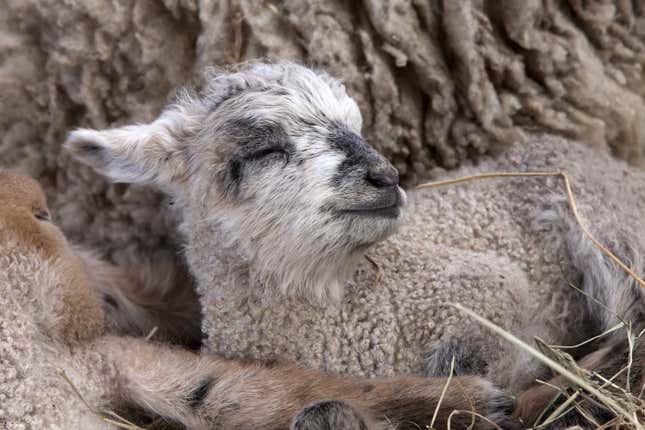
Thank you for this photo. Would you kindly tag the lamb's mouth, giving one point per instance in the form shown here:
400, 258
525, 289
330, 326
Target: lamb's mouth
392, 211
387, 205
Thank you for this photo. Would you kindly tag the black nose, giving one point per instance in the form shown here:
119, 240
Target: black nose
381, 179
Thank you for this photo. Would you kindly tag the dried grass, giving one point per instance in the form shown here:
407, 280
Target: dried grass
109, 417
626, 406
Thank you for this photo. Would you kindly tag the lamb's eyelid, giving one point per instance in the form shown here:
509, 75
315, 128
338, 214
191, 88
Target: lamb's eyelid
269, 148
264, 141
42, 215
267, 151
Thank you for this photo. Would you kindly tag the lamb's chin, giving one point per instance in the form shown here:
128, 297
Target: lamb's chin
366, 232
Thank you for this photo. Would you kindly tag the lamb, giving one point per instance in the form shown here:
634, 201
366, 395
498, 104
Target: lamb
53, 321
282, 199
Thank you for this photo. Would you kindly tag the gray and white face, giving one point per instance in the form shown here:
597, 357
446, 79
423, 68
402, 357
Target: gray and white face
274, 155
293, 167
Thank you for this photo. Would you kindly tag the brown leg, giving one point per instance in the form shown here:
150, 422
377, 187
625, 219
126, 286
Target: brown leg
205, 391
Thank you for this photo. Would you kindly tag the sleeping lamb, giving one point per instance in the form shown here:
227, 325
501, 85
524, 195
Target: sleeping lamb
289, 217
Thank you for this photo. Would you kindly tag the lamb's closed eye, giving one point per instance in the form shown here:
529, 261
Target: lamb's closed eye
265, 153
42, 215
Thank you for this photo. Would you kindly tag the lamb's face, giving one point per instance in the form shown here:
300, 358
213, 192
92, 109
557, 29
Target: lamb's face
24, 216
287, 165
273, 156
27, 229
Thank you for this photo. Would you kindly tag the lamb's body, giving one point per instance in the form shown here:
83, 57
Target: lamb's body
493, 246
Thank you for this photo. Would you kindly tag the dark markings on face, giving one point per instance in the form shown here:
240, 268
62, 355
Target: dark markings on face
358, 153
259, 145
196, 397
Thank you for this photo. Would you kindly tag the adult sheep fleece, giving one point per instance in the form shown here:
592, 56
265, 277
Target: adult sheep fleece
269, 158
438, 82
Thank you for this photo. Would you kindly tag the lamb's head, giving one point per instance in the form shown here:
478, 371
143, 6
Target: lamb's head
272, 155
34, 252
25, 218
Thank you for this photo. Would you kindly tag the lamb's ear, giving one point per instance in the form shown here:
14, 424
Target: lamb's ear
152, 153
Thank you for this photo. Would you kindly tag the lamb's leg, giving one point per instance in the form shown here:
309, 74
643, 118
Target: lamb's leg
205, 391
410, 402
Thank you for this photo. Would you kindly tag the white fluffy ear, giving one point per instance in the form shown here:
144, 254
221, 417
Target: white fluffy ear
146, 153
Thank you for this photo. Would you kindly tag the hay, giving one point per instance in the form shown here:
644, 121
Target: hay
623, 404
443, 393
109, 417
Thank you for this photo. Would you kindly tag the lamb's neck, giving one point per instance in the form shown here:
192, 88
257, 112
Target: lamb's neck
222, 267
215, 260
